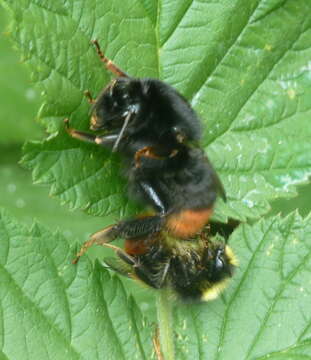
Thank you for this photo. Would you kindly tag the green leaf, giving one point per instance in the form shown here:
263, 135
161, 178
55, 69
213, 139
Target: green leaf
243, 64
26, 201
266, 312
51, 309
16, 93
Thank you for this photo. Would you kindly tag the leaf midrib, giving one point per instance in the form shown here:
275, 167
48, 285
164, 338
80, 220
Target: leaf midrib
238, 287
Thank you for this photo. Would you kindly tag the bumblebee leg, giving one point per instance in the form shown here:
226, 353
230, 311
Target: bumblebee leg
122, 254
145, 276
124, 229
100, 238
155, 280
164, 274
162, 159
140, 271
106, 141
109, 64
125, 257
129, 229
83, 249
89, 97
136, 270
147, 151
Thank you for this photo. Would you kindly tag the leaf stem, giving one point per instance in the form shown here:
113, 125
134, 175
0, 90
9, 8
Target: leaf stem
165, 322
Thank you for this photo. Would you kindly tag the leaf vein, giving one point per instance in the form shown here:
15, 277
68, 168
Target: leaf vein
195, 93
284, 350
157, 33
120, 346
137, 333
170, 34
275, 300
263, 170
267, 126
250, 95
3, 356
63, 286
17, 289
224, 323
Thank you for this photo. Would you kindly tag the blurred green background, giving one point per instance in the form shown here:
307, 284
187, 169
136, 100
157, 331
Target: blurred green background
19, 105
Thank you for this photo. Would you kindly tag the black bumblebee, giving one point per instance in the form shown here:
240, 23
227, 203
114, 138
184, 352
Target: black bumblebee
157, 132
195, 270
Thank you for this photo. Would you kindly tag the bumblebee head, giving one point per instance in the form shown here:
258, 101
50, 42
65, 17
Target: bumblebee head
194, 274
219, 262
202, 273
112, 106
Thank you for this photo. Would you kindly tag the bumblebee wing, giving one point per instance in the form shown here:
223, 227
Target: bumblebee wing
220, 188
122, 268
152, 279
119, 266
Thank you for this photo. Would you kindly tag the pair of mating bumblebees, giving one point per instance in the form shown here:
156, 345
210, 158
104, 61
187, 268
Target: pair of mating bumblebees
157, 132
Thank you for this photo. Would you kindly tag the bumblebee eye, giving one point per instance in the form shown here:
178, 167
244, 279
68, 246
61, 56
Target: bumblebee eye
219, 262
115, 104
125, 96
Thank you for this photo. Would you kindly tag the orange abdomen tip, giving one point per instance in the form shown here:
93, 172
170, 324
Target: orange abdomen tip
188, 222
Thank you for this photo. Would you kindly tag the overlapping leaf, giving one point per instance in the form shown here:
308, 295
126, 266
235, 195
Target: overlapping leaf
244, 65
16, 93
51, 309
266, 314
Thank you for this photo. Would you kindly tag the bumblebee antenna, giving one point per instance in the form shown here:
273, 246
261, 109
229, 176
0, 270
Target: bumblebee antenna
125, 124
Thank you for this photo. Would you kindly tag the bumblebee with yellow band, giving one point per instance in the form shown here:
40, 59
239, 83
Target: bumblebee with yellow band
195, 270
158, 133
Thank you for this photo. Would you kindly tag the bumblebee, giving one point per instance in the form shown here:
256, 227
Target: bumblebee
195, 271
157, 132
